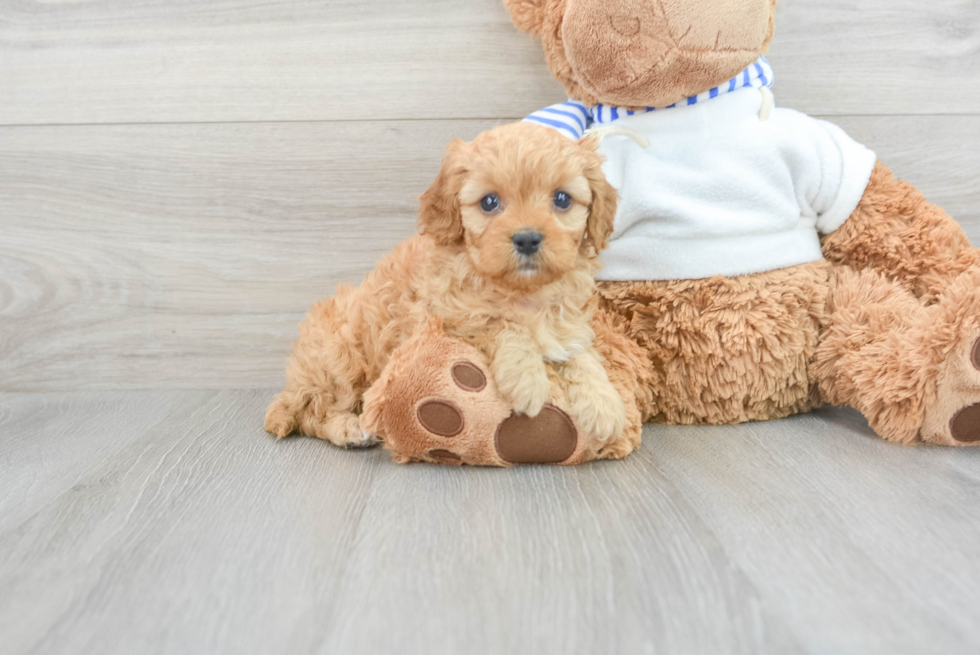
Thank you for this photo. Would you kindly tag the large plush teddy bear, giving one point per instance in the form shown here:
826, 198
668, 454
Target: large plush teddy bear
763, 263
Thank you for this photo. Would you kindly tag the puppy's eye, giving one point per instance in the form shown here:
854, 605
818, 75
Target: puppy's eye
563, 201
490, 203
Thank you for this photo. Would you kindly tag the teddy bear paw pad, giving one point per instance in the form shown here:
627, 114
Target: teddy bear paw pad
548, 438
954, 419
441, 417
469, 377
965, 426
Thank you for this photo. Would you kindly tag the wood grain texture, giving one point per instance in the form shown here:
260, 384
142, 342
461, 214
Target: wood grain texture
184, 256
49, 441
843, 515
120, 61
236, 60
199, 533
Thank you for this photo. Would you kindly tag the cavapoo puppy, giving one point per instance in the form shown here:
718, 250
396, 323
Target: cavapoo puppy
511, 231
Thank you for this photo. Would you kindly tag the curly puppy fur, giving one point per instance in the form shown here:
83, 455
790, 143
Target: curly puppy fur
520, 311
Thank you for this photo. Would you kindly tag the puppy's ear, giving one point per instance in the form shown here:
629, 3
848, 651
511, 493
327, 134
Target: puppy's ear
602, 213
439, 214
527, 15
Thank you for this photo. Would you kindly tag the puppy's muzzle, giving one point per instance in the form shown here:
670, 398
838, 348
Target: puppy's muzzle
527, 242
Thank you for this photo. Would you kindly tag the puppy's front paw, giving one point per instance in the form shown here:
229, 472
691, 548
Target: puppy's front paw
527, 391
598, 410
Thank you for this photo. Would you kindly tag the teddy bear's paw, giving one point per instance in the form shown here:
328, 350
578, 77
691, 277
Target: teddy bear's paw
446, 414
965, 425
469, 423
954, 420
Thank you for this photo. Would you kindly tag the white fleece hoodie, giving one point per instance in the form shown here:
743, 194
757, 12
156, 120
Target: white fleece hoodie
719, 190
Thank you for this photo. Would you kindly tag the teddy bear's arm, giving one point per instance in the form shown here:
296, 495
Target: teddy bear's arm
896, 232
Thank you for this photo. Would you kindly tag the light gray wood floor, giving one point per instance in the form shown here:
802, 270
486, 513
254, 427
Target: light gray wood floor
167, 522
181, 179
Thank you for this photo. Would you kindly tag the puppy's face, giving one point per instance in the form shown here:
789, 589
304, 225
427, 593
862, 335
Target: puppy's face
524, 201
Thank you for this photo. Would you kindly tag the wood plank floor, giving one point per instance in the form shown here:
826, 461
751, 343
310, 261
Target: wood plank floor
167, 522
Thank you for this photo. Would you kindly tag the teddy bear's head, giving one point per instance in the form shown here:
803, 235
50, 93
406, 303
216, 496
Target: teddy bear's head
646, 53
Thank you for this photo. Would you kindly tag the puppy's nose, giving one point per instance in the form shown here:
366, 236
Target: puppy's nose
527, 242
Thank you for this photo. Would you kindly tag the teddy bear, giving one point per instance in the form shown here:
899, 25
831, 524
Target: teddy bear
762, 263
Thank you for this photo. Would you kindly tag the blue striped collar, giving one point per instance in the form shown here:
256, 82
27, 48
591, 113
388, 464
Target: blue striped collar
574, 118
757, 75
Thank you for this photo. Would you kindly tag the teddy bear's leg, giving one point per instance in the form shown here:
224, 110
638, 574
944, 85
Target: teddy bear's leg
896, 232
430, 403
723, 350
912, 369
436, 401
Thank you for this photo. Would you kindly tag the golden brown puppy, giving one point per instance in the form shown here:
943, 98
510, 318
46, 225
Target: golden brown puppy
511, 233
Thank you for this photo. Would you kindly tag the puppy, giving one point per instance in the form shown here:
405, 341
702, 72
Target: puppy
510, 234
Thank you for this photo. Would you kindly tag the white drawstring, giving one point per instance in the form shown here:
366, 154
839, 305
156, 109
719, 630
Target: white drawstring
603, 131
767, 104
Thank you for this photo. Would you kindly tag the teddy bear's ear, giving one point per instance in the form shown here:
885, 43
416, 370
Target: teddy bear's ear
772, 25
528, 15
